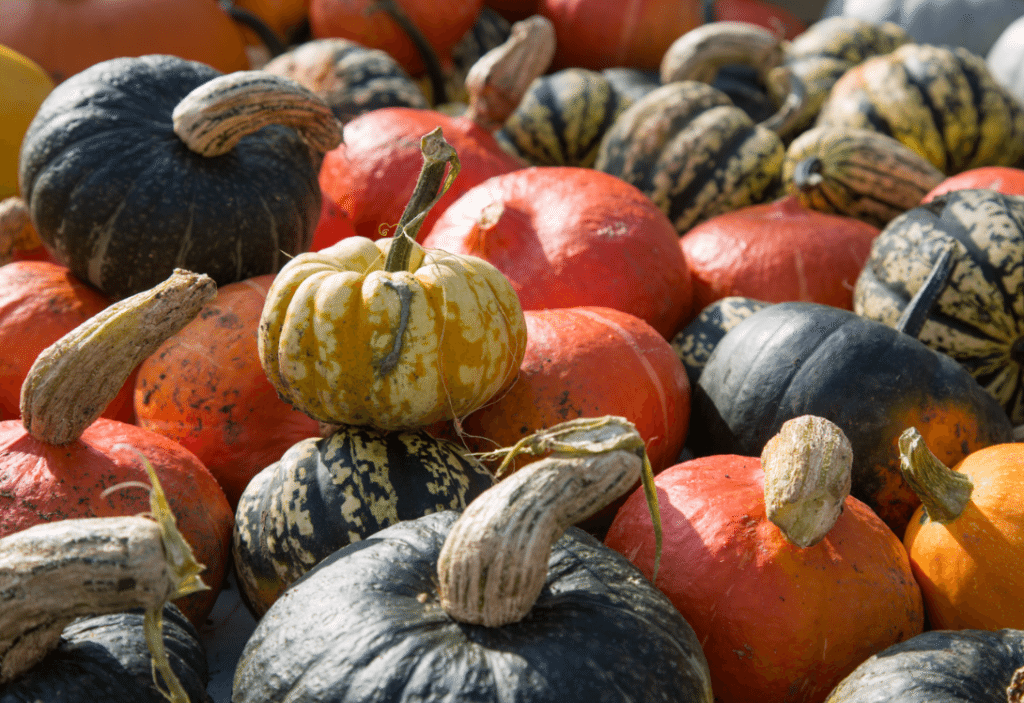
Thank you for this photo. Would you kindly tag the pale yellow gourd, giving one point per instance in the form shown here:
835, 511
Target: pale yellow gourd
23, 86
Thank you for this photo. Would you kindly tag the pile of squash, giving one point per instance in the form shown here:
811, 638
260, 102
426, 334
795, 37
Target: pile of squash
512, 350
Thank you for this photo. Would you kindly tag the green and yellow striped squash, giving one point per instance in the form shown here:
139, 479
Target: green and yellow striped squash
978, 319
942, 102
326, 493
348, 342
693, 152
858, 173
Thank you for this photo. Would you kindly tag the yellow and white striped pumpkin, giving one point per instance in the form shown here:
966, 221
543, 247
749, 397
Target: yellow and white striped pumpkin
348, 342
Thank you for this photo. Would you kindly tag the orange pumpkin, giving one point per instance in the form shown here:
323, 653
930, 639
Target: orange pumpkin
1004, 179
966, 541
67, 36
205, 388
282, 16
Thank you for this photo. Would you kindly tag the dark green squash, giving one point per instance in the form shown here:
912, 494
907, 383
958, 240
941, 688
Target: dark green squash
326, 493
105, 658
978, 319
118, 197
951, 666
396, 618
793, 359
695, 342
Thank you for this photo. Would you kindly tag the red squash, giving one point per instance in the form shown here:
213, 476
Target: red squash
568, 236
777, 252
1004, 179
205, 388
333, 226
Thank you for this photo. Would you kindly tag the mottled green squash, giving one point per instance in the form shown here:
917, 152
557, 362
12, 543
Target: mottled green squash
695, 342
326, 493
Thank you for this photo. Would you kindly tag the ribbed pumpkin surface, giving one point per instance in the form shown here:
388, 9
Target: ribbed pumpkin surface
979, 317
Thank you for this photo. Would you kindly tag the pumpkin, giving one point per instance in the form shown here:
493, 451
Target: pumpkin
40, 302
1005, 179
940, 101
964, 540
694, 153
694, 343
978, 319
562, 617
404, 336
959, 666
775, 252
204, 388
125, 185
972, 24
1003, 58
490, 31
758, 553
348, 76
566, 236
858, 173
873, 381
107, 655
58, 461
334, 225
324, 494
23, 87
66, 38
284, 17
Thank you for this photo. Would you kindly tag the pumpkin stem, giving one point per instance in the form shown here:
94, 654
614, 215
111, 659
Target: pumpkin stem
493, 564
1015, 691
943, 492
17, 233
438, 154
438, 88
915, 315
499, 79
74, 379
807, 476
807, 174
216, 115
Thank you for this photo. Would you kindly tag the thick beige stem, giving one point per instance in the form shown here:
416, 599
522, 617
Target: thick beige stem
699, 54
17, 233
943, 492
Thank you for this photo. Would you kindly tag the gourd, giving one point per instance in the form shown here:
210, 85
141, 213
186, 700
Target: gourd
758, 554
1003, 58
977, 318
940, 101
694, 343
140, 165
567, 236
857, 173
959, 666
871, 380
777, 251
404, 336
964, 540
23, 87
326, 493
426, 601
58, 461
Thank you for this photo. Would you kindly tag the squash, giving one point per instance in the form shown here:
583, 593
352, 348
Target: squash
972, 24
348, 76
858, 173
694, 343
567, 236
58, 461
125, 185
404, 336
694, 153
796, 358
940, 101
758, 553
204, 387
1003, 58
958, 666
964, 540
777, 251
422, 611
284, 17
23, 87
978, 319
489, 31
1005, 179
324, 494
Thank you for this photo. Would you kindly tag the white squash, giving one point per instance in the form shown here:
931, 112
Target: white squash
1006, 58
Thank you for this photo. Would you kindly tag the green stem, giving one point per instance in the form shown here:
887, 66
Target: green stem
438, 154
943, 492
915, 315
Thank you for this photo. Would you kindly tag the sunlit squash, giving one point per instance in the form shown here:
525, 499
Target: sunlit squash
23, 87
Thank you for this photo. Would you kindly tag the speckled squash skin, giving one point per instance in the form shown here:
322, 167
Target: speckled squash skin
347, 342
105, 658
695, 342
942, 102
588, 637
796, 358
952, 666
978, 319
324, 494
694, 153
117, 197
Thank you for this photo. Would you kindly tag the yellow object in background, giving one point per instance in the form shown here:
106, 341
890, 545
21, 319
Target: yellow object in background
23, 86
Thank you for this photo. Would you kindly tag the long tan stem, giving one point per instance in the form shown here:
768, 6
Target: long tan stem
943, 492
